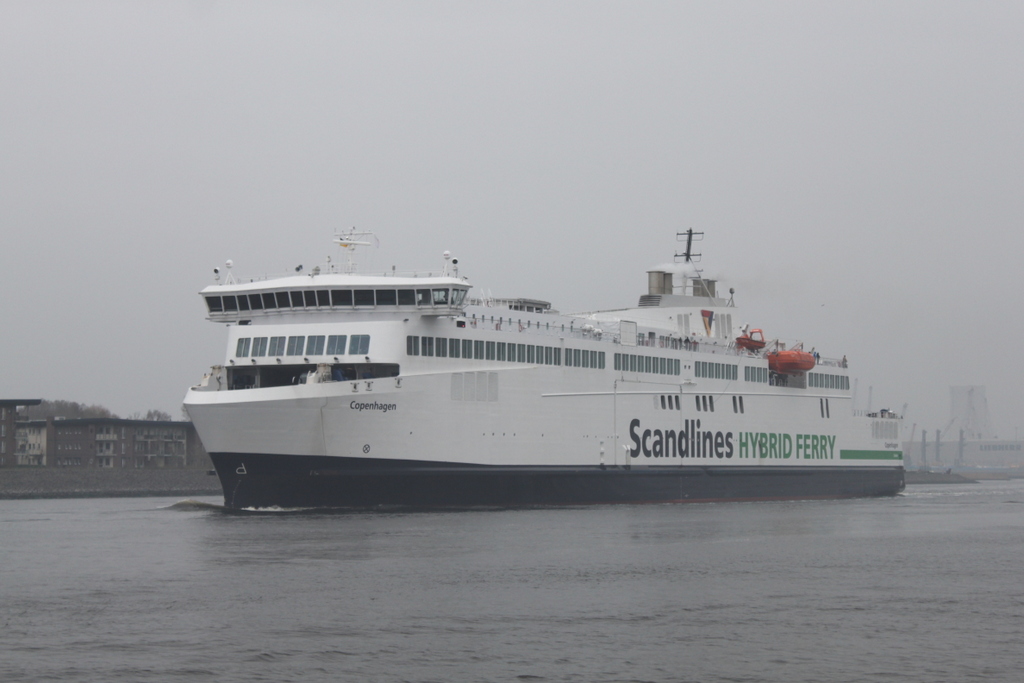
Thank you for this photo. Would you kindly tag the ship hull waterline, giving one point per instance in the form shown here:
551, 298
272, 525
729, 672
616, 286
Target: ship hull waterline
293, 481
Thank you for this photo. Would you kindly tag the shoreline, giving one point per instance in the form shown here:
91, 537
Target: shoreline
36, 483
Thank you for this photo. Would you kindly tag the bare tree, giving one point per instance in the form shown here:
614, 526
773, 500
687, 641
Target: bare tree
69, 410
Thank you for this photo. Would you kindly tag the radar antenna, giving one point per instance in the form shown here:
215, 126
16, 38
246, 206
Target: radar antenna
350, 240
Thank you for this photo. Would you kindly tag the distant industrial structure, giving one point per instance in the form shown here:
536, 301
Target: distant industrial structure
967, 441
102, 442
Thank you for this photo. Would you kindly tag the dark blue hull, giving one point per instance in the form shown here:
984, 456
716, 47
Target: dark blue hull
261, 481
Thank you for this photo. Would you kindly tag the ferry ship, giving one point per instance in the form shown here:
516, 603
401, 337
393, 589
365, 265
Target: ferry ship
354, 390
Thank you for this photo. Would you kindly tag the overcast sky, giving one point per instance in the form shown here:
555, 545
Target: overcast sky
858, 169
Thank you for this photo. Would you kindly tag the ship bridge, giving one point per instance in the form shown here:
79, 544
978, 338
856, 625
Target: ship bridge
335, 293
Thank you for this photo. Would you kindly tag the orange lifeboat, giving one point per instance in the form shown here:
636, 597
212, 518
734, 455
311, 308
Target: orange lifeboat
751, 341
790, 362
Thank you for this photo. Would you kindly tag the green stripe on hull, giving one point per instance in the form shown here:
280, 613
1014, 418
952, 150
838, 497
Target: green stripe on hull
870, 455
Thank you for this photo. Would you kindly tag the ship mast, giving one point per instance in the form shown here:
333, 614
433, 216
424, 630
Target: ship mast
352, 239
690, 257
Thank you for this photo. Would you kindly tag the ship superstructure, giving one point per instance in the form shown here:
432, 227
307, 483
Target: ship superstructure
352, 390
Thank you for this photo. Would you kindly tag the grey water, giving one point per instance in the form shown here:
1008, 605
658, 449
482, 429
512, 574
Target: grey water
923, 587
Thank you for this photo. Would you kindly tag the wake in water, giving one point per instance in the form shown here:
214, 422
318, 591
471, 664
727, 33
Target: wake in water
191, 504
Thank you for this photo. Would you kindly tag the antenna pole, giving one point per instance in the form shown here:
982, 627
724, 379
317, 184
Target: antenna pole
688, 256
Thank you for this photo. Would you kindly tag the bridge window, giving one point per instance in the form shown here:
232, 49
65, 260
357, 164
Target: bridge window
215, 304
309, 297
282, 300
256, 302
269, 300
422, 297
440, 297
406, 297
341, 297
296, 297
363, 297
386, 297
323, 298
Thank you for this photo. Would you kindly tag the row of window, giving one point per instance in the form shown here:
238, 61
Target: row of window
823, 402
755, 374
313, 345
715, 370
443, 347
631, 362
335, 298
705, 403
886, 429
583, 358
823, 381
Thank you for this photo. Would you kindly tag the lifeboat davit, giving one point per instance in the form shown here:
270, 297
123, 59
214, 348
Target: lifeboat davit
790, 362
751, 341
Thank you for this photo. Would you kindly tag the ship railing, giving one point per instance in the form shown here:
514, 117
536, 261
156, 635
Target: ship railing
611, 336
339, 270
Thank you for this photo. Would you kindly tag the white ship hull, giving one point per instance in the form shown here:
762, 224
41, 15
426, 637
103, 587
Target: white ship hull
517, 418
